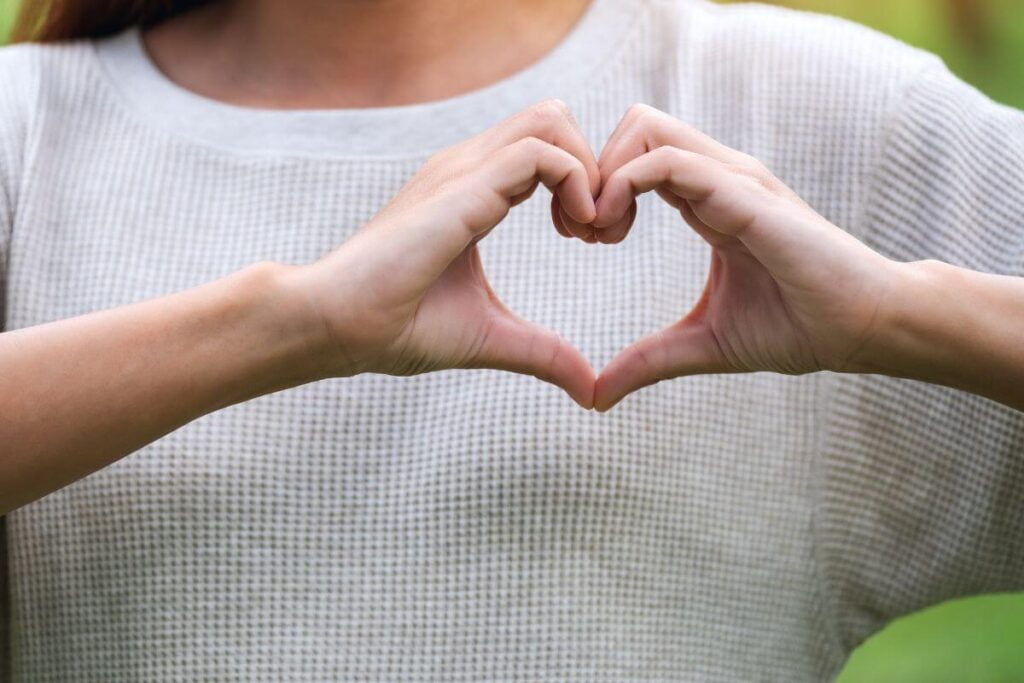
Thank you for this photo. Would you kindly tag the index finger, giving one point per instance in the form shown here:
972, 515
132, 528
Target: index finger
644, 129
550, 121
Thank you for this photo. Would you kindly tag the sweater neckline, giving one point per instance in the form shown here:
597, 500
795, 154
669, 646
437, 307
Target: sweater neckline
404, 131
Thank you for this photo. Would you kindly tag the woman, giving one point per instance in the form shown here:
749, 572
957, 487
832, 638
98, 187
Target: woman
215, 207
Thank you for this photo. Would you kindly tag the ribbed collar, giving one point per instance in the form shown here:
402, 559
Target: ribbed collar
379, 132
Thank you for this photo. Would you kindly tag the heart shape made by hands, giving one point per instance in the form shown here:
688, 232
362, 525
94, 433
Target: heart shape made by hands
786, 292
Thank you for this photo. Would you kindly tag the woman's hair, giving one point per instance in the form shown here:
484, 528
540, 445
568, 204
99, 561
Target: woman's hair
50, 20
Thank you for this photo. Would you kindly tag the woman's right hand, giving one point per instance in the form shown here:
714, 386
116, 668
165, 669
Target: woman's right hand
407, 293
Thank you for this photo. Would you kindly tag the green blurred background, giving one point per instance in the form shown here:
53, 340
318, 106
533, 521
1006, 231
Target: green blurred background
979, 640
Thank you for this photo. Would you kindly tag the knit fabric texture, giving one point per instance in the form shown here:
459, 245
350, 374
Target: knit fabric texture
476, 525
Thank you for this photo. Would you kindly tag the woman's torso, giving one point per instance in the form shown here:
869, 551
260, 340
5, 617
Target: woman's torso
457, 525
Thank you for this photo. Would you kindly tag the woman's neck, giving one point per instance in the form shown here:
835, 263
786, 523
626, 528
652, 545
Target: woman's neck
355, 53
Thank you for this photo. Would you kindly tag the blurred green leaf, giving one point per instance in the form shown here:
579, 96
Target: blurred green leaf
977, 640
8, 8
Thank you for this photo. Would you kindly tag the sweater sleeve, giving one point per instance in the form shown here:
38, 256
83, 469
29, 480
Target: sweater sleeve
16, 77
922, 487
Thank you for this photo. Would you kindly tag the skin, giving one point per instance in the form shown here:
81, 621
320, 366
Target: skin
788, 292
355, 53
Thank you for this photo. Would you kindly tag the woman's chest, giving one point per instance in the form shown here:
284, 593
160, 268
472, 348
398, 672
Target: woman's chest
464, 450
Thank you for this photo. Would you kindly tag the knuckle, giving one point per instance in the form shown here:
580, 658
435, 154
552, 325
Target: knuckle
752, 182
758, 166
754, 166
527, 151
673, 155
750, 163
742, 169
643, 115
638, 111
550, 112
555, 107
757, 172
530, 145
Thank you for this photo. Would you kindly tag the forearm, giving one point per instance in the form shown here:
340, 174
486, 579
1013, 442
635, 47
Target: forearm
955, 327
77, 394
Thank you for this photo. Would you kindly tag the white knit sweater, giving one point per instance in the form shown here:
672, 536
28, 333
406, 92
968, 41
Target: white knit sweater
474, 525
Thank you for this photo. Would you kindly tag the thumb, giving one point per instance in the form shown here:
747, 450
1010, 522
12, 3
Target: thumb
520, 346
685, 348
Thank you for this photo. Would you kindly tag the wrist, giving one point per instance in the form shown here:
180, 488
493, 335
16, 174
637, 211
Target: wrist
904, 342
289, 317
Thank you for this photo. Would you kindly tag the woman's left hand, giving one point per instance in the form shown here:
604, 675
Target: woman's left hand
787, 291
